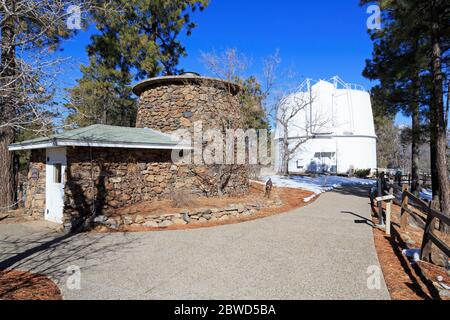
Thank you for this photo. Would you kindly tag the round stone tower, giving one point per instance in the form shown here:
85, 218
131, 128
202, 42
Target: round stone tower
181, 102
173, 102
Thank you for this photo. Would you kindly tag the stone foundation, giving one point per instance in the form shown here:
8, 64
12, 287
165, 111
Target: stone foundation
35, 191
101, 180
184, 217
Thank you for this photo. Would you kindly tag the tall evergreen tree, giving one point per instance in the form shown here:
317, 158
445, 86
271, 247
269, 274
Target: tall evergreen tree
410, 58
139, 40
29, 30
398, 63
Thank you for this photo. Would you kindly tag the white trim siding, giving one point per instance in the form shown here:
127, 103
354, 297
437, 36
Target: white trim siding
81, 143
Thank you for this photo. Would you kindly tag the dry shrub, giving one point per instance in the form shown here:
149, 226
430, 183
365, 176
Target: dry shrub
181, 198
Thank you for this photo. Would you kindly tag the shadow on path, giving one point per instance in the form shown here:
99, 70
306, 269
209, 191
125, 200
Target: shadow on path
53, 257
362, 219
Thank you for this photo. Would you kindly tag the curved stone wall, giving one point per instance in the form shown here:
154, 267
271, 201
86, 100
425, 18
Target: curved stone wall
178, 102
171, 103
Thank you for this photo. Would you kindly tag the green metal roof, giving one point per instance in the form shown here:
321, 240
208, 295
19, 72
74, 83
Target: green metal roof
103, 136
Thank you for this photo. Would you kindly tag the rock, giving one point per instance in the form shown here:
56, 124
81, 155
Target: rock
126, 197
114, 203
207, 216
240, 208
151, 224
111, 223
127, 220
224, 217
100, 219
169, 215
102, 229
139, 219
158, 190
202, 220
218, 214
133, 210
213, 218
165, 223
179, 221
115, 179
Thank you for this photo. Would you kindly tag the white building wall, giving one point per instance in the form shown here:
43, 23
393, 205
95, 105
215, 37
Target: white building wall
346, 142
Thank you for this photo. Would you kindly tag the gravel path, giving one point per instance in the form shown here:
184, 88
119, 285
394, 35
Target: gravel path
321, 251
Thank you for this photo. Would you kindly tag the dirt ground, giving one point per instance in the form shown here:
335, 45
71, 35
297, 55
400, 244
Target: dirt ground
14, 216
289, 198
406, 280
20, 285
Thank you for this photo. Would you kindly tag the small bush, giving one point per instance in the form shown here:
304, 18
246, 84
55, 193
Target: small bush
361, 173
181, 198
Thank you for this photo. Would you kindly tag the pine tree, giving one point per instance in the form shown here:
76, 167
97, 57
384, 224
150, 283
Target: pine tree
139, 40
410, 59
29, 30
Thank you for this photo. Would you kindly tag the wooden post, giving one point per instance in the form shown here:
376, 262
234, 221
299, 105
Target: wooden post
380, 203
403, 212
425, 252
388, 198
388, 217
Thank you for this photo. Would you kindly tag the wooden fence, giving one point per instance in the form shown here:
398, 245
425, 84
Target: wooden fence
424, 179
409, 203
429, 237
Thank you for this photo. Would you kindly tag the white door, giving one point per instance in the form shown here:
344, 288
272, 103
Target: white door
54, 184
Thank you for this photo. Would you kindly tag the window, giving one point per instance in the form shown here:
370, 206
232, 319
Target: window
57, 173
324, 155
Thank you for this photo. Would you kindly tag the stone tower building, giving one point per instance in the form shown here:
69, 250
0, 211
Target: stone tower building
178, 102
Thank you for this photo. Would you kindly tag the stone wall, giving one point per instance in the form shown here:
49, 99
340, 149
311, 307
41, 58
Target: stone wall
35, 190
101, 180
170, 103
171, 106
197, 216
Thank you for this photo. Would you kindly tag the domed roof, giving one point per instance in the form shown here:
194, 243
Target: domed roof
185, 78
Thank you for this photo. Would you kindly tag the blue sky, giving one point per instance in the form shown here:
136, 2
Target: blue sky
315, 39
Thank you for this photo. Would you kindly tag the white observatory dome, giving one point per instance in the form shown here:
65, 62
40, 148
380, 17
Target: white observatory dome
335, 119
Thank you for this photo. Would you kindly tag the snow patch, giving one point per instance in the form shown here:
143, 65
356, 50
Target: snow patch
318, 184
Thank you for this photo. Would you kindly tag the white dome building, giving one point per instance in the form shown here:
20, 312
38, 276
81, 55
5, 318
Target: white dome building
335, 120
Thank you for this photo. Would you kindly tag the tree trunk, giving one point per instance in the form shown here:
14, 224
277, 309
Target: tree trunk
439, 119
8, 71
434, 174
415, 143
285, 163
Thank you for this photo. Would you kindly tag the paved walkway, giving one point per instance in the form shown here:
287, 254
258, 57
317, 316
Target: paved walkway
321, 251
